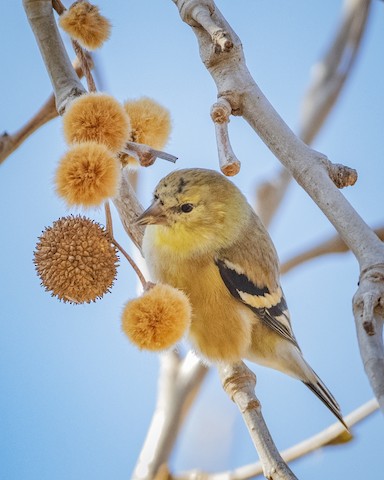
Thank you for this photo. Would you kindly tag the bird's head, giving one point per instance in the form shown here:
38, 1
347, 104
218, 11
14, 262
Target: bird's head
197, 202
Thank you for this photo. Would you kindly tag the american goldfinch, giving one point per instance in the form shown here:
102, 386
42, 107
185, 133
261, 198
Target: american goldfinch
204, 238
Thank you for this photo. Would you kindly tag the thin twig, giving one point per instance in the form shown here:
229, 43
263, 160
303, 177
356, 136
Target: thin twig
333, 245
145, 154
10, 142
85, 63
58, 7
108, 219
133, 264
109, 228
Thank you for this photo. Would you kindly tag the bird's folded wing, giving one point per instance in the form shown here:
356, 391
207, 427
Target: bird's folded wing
269, 306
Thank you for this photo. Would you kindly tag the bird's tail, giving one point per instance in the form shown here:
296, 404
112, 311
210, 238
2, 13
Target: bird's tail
319, 389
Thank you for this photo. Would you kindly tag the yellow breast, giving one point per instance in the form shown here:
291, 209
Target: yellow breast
221, 325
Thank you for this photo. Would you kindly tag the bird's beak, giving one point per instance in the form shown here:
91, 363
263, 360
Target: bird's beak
153, 215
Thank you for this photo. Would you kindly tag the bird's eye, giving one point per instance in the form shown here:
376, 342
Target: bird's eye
186, 207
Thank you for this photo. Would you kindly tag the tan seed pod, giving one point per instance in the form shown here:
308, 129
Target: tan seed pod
158, 319
87, 175
150, 124
97, 117
84, 23
75, 260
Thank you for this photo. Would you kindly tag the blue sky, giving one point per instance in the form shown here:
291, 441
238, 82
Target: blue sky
75, 397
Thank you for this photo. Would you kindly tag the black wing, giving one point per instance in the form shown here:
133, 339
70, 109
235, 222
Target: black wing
270, 307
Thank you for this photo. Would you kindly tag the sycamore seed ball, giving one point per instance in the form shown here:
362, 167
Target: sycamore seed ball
99, 118
75, 260
87, 175
150, 124
158, 319
83, 22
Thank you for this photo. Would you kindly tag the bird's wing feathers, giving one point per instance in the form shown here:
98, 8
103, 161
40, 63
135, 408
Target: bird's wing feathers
268, 304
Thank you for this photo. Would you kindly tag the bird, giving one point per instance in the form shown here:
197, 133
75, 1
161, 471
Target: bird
204, 238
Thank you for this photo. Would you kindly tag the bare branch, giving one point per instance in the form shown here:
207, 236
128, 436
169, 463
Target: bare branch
129, 209
368, 304
145, 154
328, 436
199, 14
270, 194
10, 142
333, 245
65, 82
220, 112
330, 75
239, 383
179, 383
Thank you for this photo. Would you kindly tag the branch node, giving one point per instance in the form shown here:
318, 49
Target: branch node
341, 175
369, 328
237, 377
198, 13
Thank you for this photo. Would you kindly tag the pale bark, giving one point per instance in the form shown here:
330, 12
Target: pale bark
329, 76
310, 169
239, 382
328, 436
10, 142
220, 113
333, 245
66, 84
179, 383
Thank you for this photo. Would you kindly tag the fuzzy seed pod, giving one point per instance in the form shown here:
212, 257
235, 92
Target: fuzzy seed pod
150, 124
84, 23
99, 118
158, 319
87, 175
75, 260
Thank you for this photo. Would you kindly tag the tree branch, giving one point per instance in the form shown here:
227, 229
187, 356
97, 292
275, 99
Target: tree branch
179, 383
10, 142
368, 310
220, 112
308, 167
333, 245
328, 80
129, 208
145, 154
66, 84
328, 436
239, 383
329, 74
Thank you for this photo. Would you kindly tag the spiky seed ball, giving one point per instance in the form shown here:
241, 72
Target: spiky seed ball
87, 175
75, 260
99, 118
83, 22
158, 319
150, 123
